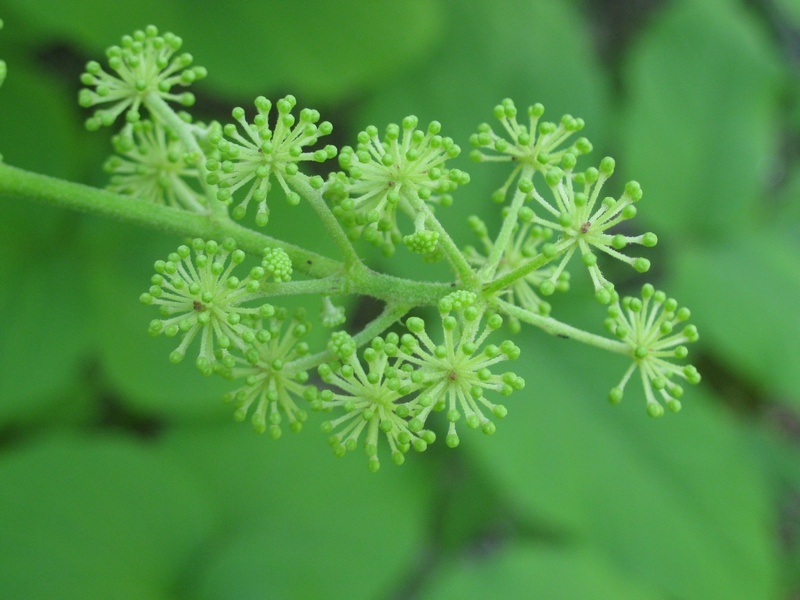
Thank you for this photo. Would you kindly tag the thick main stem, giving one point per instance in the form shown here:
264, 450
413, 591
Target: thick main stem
75, 196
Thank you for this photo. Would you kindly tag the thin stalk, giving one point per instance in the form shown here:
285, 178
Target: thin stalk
521, 271
507, 230
558, 328
185, 131
390, 314
314, 197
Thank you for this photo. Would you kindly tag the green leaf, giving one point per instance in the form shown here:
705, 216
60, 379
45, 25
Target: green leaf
101, 518
657, 497
700, 132
320, 51
744, 299
303, 524
526, 570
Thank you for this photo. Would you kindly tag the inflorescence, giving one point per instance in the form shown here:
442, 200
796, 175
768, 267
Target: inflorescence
405, 171
649, 327
145, 63
390, 389
251, 160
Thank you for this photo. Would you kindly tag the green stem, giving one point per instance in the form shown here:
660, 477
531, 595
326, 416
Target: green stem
156, 105
507, 230
521, 271
391, 313
328, 286
65, 194
314, 197
455, 257
558, 328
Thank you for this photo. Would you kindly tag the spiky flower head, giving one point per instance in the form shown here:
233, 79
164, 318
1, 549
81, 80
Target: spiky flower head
145, 63
202, 298
523, 245
404, 171
454, 375
271, 381
583, 219
251, 160
537, 145
649, 327
155, 167
371, 400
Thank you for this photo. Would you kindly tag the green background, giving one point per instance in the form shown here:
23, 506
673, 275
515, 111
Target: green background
123, 476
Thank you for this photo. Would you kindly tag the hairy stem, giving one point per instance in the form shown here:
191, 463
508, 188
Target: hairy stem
329, 286
314, 197
75, 196
558, 328
390, 314
455, 257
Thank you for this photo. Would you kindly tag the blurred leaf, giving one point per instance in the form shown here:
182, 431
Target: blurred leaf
103, 519
700, 132
94, 25
528, 50
789, 9
301, 523
526, 570
320, 51
43, 337
744, 299
677, 495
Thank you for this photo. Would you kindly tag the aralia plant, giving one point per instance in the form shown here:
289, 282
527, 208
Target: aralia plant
378, 386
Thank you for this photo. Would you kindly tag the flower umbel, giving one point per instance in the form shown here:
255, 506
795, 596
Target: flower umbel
201, 296
263, 152
403, 171
145, 63
647, 326
583, 219
271, 383
535, 145
455, 375
370, 399
156, 167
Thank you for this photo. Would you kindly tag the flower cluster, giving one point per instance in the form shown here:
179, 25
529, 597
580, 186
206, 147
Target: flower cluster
535, 145
648, 327
251, 159
455, 374
145, 63
371, 400
201, 297
155, 167
405, 171
271, 381
525, 244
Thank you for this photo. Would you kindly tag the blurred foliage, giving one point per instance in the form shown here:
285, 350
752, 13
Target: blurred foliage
121, 476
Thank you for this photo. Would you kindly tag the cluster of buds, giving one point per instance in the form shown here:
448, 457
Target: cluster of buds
648, 327
251, 160
405, 171
145, 63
